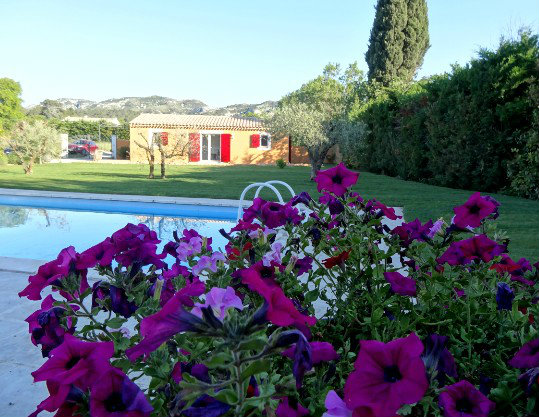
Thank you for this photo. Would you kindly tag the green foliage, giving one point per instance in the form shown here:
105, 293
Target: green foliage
10, 104
33, 142
316, 115
3, 158
84, 128
398, 42
280, 163
461, 129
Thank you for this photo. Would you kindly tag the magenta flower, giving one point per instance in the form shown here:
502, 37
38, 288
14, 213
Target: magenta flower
53, 272
320, 352
387, 376
506, 264
400, 284
137, 244
254, 211
45, 327
471, 213
76, 362
477, 248
170, 320
336, 180
335, 406
115, 395
62, 398
281, 310
101, 254
220, 300
372, 206
464, 400
527, 356
289, 407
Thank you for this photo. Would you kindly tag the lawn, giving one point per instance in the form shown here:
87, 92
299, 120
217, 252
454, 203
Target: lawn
519, 217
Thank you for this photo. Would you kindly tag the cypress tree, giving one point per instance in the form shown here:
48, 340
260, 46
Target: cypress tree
399, 39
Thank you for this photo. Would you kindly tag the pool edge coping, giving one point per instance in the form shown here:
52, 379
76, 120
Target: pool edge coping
216, 202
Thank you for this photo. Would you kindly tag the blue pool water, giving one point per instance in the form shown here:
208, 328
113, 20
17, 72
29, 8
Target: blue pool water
27, 231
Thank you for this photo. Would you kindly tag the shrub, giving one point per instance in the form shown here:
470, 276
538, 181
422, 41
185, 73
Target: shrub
280, 163
440, 315
462, 129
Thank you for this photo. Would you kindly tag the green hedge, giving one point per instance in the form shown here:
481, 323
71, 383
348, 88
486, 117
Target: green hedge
474, 128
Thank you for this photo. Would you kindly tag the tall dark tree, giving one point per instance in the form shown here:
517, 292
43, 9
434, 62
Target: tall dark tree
398, 42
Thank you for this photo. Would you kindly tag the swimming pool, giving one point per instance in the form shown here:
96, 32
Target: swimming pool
38, 228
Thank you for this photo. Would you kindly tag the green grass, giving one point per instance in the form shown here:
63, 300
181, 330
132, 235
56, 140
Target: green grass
519, 217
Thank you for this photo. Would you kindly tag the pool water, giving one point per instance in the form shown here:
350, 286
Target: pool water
40, 233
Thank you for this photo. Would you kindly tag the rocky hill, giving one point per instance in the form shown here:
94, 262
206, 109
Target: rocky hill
127, 108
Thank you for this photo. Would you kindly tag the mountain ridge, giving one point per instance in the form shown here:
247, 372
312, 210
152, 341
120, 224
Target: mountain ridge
127, 108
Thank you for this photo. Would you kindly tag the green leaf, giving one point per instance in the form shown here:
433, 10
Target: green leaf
218, 360
256, 343
256, 367
227, 396
115, 322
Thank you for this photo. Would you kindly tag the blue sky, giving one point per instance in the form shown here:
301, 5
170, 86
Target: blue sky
219, 51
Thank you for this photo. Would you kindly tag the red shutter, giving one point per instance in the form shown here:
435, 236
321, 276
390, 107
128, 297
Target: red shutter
194, 147
164, 138
255, 141
225, 147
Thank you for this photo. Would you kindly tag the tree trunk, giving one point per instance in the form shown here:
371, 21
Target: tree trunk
28, 166
152, 166
317, 156
163, 162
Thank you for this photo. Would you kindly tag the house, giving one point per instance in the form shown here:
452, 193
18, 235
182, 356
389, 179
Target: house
211, 139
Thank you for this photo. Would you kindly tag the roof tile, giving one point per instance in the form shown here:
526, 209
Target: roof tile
196, 121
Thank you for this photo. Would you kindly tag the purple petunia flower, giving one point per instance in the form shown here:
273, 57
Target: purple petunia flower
400, 284
464, 400
301, 198
101, 254
386, 376
53, 272
335, 406
115, 395
76, 362
437, 358
220, 300
45, 327
529, 378
303, 265
504, 296
170, 320
320, 352
198, 370
137, 245
336, 180
527, 356
208, 263
62, 398
290, 407
206, 406
477, 248
471, 213
373, 205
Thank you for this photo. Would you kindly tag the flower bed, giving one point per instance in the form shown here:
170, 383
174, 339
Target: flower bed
190, 331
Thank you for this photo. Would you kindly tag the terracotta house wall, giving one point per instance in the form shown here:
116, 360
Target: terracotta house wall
240, 150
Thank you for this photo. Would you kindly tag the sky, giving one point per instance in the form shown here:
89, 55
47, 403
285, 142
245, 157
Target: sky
219, 51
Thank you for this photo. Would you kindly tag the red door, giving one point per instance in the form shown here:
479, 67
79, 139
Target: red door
194, 147
225, 147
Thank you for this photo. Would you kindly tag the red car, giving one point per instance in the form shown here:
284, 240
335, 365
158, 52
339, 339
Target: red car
82, 146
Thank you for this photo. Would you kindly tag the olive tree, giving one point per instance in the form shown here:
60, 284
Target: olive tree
316, 115
33, 142
175, 146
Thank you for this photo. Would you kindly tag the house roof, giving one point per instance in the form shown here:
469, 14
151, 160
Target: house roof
197, 121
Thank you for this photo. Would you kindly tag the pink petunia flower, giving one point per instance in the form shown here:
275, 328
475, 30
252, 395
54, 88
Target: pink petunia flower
386, 376
471, 213
400, 284
220, 300
336, 180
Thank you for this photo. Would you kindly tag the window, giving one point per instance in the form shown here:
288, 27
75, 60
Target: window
265, 141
